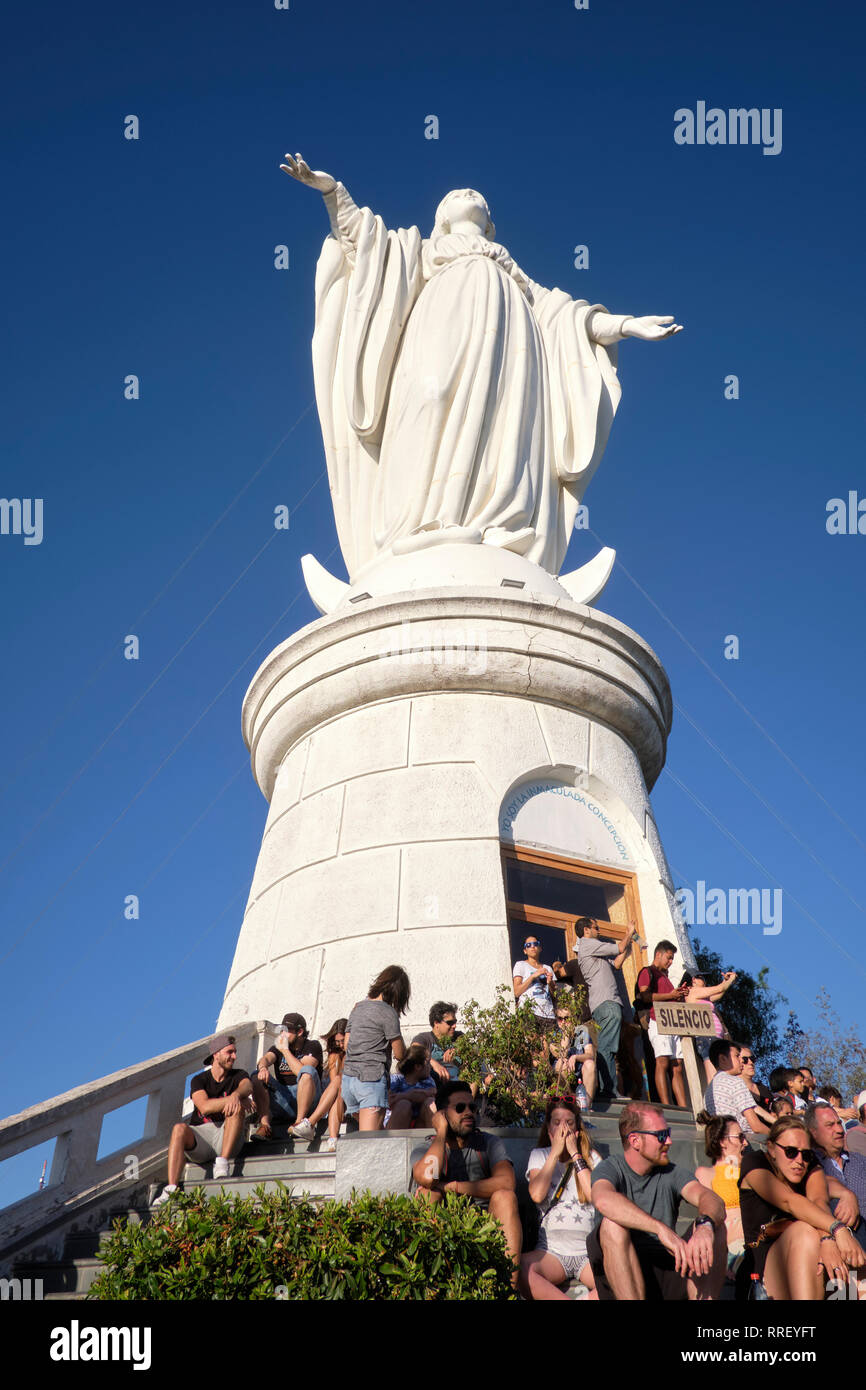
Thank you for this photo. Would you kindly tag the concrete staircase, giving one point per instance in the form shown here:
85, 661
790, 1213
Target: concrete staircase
305, 1170
299, 1166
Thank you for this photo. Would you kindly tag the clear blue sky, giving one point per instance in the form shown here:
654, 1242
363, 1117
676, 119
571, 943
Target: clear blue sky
155, 257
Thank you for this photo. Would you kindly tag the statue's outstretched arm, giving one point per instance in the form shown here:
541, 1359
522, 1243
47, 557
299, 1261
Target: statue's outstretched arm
609, 328
344, 216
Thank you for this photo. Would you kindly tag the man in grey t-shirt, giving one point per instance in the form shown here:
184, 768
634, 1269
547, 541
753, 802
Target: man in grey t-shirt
634, 1250
598, 960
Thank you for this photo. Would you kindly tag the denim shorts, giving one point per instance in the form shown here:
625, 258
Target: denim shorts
363, 1095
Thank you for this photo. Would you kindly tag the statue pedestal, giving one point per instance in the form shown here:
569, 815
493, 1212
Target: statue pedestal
401, 744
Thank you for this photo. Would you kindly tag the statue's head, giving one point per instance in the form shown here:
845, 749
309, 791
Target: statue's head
464, 205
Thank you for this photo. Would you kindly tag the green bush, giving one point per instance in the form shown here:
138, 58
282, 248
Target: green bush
274, 1245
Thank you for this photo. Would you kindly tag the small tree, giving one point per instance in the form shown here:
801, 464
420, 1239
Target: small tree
835, 1052
505, 1050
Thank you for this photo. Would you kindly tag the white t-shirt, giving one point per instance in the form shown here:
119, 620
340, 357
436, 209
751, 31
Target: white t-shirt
538, 995
566, 1224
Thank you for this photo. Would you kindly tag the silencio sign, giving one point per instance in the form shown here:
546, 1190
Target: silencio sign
685, 1020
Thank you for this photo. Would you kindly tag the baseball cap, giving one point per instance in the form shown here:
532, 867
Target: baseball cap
861, 1100
217, 1044
295, 1021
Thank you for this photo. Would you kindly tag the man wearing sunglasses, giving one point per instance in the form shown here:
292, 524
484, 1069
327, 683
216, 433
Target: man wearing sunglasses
463, 1159
634, 1250
440, 1040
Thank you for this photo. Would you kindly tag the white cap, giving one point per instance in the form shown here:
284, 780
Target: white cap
861, 1100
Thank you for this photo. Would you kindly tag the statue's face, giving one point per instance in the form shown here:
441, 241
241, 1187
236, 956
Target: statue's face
466, 205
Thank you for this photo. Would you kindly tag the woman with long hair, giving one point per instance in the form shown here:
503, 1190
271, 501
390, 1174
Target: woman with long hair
793, 1241
725, 1143
559, 1183
373, 1035
331, 1103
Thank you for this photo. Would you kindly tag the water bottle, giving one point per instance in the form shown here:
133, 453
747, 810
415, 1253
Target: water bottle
757, 1291
582, 1097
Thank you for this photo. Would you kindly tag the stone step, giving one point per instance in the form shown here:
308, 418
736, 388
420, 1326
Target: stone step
313, 1184
291, 1167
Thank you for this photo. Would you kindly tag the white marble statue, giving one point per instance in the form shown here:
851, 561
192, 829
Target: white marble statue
459, 400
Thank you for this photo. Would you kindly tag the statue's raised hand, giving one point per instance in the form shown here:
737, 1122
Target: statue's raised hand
314, 178
651, 326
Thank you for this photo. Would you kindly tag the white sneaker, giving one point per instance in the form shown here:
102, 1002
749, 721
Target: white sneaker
222, 1167
164, 1196
302, 1130
328, 1146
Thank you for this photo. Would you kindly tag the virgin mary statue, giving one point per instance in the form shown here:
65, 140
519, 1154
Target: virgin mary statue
459, 400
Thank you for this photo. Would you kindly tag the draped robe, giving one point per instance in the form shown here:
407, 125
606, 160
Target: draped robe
453, 391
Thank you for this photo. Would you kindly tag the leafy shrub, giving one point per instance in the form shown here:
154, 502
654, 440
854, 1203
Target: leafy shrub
504, 1050
274, 1245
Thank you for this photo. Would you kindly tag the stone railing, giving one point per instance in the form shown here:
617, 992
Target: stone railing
74, 1120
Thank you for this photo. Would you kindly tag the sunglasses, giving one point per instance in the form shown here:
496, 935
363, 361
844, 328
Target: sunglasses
527, 944
465, 1105
451, 1022
661, 1136
791, 1152
565, 1100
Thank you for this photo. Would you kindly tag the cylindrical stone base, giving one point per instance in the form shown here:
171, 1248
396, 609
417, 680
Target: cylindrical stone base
400, 746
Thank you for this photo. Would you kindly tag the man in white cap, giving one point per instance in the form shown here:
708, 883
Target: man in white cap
222, 1098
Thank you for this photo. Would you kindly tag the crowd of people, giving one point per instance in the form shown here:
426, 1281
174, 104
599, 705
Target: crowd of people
777, 1208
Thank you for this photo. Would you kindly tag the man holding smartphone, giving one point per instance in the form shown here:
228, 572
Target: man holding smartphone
598, 960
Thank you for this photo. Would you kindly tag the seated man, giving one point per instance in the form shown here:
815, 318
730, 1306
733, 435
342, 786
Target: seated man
728, 1094
845, 1171
223, 1098
465, 1160
440, 1041
634, 1250
293, 1092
